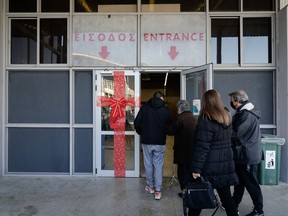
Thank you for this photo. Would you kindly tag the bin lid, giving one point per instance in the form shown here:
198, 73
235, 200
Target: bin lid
272, 139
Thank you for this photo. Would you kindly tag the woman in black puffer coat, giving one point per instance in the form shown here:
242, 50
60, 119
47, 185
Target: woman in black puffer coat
213, 156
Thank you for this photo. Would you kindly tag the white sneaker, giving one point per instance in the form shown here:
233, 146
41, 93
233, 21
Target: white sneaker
157, 195
149, 189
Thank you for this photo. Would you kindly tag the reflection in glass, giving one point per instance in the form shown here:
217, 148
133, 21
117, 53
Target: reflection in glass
105, 6
224, 5
258, 5
173, 6
23, 41
53, 37
225, 41
257, 40
108, 91
107, 155
22, 6
55, 6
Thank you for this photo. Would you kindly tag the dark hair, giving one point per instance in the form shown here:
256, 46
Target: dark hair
158, 94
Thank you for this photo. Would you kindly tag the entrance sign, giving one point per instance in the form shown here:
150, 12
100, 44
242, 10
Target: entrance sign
172, 40
104, 40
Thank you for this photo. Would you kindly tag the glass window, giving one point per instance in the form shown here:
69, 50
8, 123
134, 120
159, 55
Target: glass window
258, 5
22, 5
224, 5
225, 41
23, 41
259, 85
83, 97
257, 40
108, 92
38, 97
83, 150
55, 6
105, 6
53, 37
38, 150
173, 6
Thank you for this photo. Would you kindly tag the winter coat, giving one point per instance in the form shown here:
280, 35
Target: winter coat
151, 122
184, 137
246, 137
213, 155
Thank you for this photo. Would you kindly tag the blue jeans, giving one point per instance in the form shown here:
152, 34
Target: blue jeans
153, 162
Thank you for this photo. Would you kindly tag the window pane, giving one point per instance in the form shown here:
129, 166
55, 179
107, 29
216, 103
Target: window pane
105, 6
108, 92
172, 6
258, 5
83, 150
38, 97
23, 41
259, 86
83, 97
22, 6
53, 47
38, 150
225, 41
224, 5
55, 6
257, 40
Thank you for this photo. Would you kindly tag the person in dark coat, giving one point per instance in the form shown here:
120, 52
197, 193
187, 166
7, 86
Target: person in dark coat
151, 123
213, 156
183, 130
246, 141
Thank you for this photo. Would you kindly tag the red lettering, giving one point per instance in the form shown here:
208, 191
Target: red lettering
193, 37
132, 37
111, 37
185, 36
101, 37
176, 37
146, 37
91, 37
154, 37
201, 36
76, 37
168, 36
161, 36
121, 37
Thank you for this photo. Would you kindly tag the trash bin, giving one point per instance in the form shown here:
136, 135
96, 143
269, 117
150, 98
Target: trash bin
269, 169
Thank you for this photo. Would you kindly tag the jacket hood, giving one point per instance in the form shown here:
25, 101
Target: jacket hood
156, 102
250, 107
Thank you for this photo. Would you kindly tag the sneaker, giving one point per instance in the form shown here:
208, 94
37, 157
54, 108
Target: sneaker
255, 213
149, 189
158, 195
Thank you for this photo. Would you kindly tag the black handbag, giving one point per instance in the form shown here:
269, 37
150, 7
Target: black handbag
200, 195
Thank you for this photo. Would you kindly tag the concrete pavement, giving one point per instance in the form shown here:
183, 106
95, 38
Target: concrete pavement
97, 196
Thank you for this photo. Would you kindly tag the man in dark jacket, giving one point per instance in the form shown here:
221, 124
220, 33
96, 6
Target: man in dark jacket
151, 122
247, 146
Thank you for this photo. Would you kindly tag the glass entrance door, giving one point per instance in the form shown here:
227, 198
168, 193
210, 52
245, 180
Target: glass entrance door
117, 96
194, 82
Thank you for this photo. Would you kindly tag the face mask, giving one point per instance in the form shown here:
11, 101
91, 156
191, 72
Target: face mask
232, 105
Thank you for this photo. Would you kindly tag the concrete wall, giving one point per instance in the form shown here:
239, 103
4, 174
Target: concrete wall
282, 89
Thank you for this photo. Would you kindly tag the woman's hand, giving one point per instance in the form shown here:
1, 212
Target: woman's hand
195, 175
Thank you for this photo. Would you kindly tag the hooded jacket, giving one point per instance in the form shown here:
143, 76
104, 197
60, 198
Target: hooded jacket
213, 155
246, 137
151, 122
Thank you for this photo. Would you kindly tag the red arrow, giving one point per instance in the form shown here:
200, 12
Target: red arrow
173, 52
104, 53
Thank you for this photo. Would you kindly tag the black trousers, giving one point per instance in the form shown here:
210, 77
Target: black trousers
184, 175
226, 200
247, 175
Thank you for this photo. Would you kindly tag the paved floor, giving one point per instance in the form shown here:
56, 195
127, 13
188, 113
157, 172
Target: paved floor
87, 196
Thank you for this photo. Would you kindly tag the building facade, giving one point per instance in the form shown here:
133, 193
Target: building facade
71, 74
